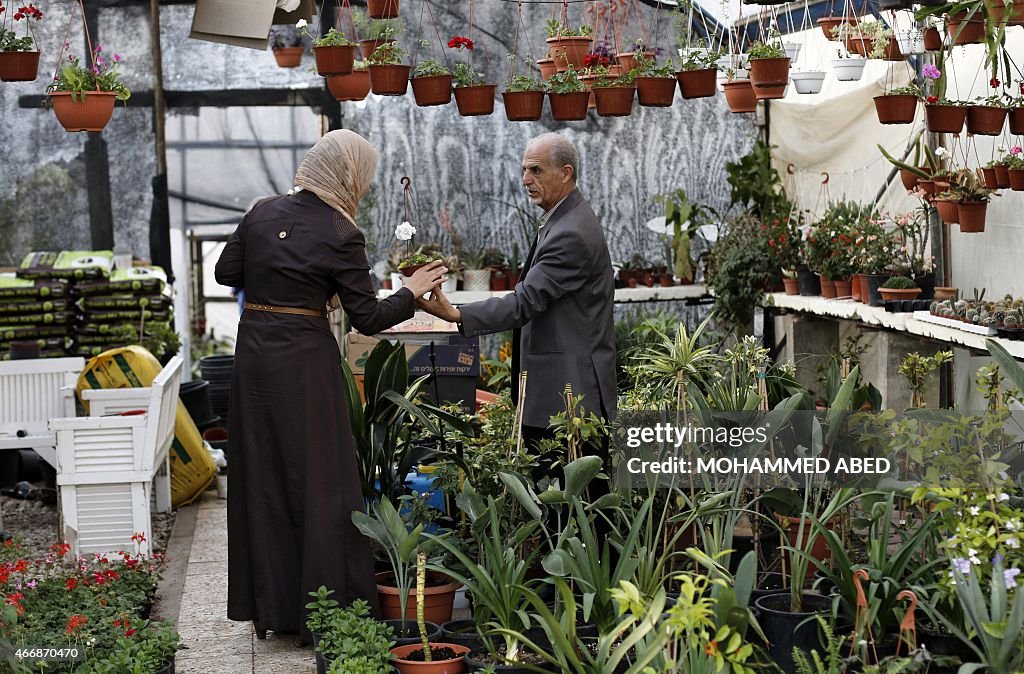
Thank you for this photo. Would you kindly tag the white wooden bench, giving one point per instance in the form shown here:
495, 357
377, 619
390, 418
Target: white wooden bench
107, 462
31, 393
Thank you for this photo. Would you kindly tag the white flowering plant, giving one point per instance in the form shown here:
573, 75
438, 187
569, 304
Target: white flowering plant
405, 232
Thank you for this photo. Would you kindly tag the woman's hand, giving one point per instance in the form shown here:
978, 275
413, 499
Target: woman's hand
426, 279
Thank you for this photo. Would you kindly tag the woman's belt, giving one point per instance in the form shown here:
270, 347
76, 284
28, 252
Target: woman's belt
297, 311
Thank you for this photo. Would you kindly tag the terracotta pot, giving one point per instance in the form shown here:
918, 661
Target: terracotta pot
855, 287
382, 9
354, 87
944, 292
909, 178
792, 285
819, 547
971, 215
455, 666
858, 44
698, 83
628, 61
770, 93
91, 114
288, 57
569, 51
997, 12
739, 94
367, 47
865, 292
569, 107
1002, 176
433, 90
990, 178
1016, 177
475, 100
772, 72
985, 120
928, 187
844, 287
889, 294
948, 210
896, 109
827, 23
437, 599
666, 280
1017, 118
932, 39
334, 60
655, 92
499, 281
547, 67
966, 31
19, 66
828, 288
389, 80
523, 106
892, 51
945, 118
614, 101
632, 282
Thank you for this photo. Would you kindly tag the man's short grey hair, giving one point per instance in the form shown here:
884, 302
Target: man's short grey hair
563, 152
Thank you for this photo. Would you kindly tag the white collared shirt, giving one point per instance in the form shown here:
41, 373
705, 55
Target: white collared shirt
548, 213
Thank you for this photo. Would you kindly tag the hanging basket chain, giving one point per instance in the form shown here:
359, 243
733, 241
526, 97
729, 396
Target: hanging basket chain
88, 41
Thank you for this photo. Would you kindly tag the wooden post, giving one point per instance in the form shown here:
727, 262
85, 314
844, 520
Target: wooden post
159, 216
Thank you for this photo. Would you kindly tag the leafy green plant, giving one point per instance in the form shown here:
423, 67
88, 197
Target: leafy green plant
333, 38
685, 217
319, 611
760, 50
387, 54
419, 258
556, 28
523, 83
429, 67
375, 29
79, 80
816, 663
566, 82
147, 649
353, 642
900, 283
9, 40
918, 369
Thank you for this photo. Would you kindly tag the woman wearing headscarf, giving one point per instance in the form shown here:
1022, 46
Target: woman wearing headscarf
293, 482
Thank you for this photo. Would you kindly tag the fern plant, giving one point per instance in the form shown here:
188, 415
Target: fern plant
816, 663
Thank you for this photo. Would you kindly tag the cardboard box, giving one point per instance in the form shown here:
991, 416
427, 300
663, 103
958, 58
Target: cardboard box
243, 23
455, 356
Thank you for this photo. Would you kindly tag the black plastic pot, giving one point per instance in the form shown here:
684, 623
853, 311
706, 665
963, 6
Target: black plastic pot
768, 584
810, 284
168, 668
463, 633
195, 396
875, 282
412, 632
217, 370
742, 544
786, 630
822, 583
475, 665
926, 282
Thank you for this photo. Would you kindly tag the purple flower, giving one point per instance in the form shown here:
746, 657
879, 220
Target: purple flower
1016, 150
98, 49
961, 565
931, 72
117, 57
1010, 577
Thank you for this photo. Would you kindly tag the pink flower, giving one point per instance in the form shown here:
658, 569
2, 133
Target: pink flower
931, 72
117, 57
1016, 150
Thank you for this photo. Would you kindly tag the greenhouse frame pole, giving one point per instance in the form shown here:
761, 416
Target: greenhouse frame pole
160, 215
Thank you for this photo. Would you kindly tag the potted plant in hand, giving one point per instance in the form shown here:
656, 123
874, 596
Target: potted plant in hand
431, 82
388, 75
614, 95
286, 45
655, 85
899, 105
334, 52
899, 288
698, 72
523, 96
769, 70
352, 87
568, 46
417, 260
19, 59
83, 98
568, 96
472, 94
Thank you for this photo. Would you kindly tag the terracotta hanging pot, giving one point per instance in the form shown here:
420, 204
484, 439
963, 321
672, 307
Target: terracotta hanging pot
932, 39
19, 66
769, 73
353, 87
389, 80
928, 187
827, 23
971, 215
367, 47
523, 106
896, 109
569, 107
947, 209
770, 93
945, 118
699, 83
1017, 120
288, 57
91, 114
334, 60
911, 179
382, 9
547, 67
739, 94
1016, 179
985, 120
997, 11
1002, 176
893, 51
628, 61
569, 51
475, 100
655, 92
966, 31
989, 175
858, 44
432, 90
614, 101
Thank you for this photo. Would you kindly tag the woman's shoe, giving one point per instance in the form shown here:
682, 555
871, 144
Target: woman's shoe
261, 632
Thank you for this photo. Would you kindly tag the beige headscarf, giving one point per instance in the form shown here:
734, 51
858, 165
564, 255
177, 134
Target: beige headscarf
338, 169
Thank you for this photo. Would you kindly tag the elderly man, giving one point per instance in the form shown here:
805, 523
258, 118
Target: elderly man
561, 310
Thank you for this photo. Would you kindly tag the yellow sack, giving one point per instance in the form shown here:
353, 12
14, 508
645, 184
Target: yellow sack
192, 469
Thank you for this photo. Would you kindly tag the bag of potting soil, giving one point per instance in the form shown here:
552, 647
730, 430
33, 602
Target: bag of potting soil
103, 328
110, 339
14, 288
43, 353
45, 343
192, 469
152, 302
8, 307
44, 318
115, 316
137, 280
67, 264
26, 332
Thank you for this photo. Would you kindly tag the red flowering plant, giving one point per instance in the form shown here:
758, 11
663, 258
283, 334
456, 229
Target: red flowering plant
464, 74
9, 40
784, 243
829, 244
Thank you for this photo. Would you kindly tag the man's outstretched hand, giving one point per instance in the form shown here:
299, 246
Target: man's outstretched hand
439, 306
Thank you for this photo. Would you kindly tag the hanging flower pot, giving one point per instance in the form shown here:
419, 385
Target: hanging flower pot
739, 94
962, 30
856, 43
547, 67
971, 216
769, 72
989, 175
655, 92
367, 47
911, 41
997, 11
353, 87
893, 51
1017, 121
389, 80
928, 187
828, 24
288, 57
475, 100
614, 101
19, 66
523, 106
1002, 176
932, 39
849, 69
945, 118
900, 109
432, 90
334, 60
569, 107
1016, 179
947, 209
792, 50
85, 111
569, 51
985, 120
808, 81
698, 83
382, 9
628, 61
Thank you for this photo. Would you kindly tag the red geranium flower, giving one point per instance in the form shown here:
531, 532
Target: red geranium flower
75, 623
71, 583
994, 82
459, 42
933, 99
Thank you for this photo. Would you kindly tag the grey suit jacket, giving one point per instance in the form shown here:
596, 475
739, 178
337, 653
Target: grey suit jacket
564, 307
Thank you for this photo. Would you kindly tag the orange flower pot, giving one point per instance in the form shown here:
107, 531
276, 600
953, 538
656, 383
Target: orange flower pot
932, 39
1002, 176
769, 73
433, 90
367, 47
896, 109
476, 100
989, 175
1015, 179
889, 294
382, 9
19, 66
437, 599
739, 94
971, 215
699, 83
614, 101
334, 60
945, 118
547, 67
948, 210
569, 51
353, 87
288, 57
985, 120
892, 51
523, 106
569, 107
389, 80
966, 31
997, 12
454, 666
827, 23
91, 114
628, 61
844, 287
1017, 119
792, 286
828, 288
655, 92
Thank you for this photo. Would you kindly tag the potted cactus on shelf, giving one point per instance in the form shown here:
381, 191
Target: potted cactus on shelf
899, 288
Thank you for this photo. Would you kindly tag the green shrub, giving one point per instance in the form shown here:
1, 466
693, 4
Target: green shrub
900, 283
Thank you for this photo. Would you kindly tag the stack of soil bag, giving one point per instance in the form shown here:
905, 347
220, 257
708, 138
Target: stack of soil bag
116, 311
35, 312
